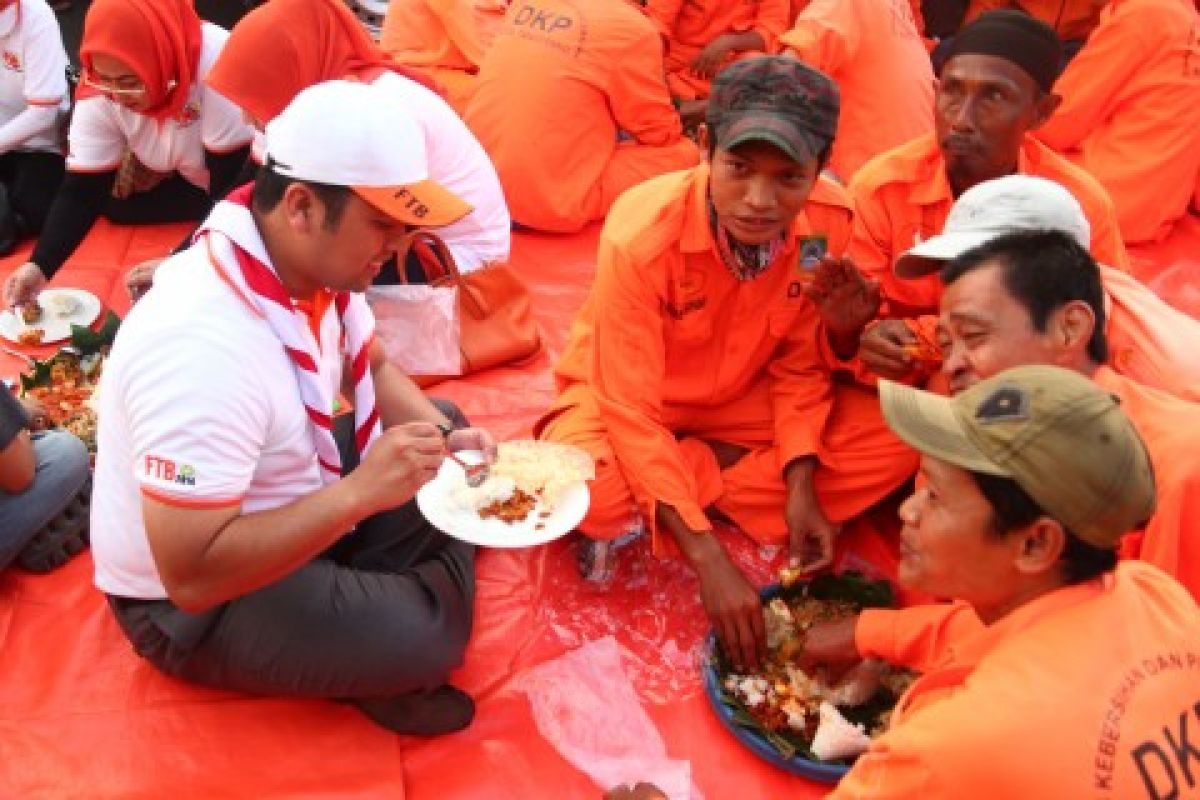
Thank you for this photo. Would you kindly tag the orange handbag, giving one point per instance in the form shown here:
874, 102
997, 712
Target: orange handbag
494, 311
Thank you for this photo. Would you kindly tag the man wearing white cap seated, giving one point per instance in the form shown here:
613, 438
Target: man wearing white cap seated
237, 547
1148, 340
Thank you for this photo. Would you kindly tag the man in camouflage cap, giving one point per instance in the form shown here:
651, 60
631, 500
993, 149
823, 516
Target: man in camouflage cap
694, 374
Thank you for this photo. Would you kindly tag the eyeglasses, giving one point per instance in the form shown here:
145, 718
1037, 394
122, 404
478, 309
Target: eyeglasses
126, 85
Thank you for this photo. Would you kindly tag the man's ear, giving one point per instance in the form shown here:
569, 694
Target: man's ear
1073, 326
1039, 546
300, 208
1045, 107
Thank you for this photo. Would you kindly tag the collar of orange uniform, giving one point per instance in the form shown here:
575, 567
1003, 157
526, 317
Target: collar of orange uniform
973, 649
159, 40
929, 184
695, 234
306, 42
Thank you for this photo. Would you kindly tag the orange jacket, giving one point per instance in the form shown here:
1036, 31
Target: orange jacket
1171, 429
666, 325
874, 52
454, 34
1071, 19
1085, 692
1149, 340
602, 61
689, 26
1130, 113
903, 196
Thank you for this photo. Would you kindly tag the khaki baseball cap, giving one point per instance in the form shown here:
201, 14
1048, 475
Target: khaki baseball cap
346, 133
1061, 437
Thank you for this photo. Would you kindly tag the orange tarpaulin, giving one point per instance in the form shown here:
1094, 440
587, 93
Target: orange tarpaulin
82, 716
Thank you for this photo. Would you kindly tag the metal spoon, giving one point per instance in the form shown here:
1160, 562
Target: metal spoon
475, 474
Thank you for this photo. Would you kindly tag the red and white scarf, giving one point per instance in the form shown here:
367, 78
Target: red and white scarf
256, 283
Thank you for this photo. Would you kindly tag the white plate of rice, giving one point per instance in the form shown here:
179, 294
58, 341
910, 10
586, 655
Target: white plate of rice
453, 507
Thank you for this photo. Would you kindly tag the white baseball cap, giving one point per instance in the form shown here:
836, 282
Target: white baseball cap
346, 133
994, 208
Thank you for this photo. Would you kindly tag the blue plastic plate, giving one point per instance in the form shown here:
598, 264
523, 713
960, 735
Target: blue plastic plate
822, 771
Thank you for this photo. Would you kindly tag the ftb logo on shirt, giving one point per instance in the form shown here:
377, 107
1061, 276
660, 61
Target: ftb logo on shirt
164, 469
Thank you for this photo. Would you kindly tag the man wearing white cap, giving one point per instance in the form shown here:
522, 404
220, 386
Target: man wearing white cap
235, 545
1148, 340
1035, 297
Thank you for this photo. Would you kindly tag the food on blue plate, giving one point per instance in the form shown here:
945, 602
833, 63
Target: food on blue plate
810, 712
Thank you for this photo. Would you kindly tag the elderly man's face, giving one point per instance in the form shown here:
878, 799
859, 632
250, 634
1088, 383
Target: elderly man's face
984, 330
983, 108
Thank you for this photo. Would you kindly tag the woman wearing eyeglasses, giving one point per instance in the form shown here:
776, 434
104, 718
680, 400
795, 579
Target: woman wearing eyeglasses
33, 99
141, 93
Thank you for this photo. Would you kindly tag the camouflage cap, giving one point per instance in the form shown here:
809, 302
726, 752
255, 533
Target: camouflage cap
774, 99
1060, 436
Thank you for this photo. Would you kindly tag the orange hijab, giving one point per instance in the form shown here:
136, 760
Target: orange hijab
284, 46
159, 40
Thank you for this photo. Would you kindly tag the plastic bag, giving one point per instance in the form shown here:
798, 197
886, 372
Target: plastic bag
418, 327
585, 706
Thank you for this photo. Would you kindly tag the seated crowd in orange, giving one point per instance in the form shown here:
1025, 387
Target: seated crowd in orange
826, 277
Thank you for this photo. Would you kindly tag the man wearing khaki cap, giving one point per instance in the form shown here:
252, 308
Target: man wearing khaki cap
1054, 672
236, 546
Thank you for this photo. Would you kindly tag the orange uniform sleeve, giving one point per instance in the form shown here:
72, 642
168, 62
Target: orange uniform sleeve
825, 35
801, 388
637, 93
462, 24
1086, 86
628, 367
664, 13
915, 637
773, 18
1108, 247
871, 240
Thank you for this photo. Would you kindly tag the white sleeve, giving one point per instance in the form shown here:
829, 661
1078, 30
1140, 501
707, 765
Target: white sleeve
96, 142
225, 127
45, 58
197, 417
33, 121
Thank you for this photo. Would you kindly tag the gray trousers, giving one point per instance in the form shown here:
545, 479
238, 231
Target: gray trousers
386, 610
61, 470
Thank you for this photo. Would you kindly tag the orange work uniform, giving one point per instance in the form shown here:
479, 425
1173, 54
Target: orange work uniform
1149, 340
1171, 429
903, 197
670, 349
558, 84
1089, 691
689, 26
872, 49
1130, 113
1071, 19
445, 38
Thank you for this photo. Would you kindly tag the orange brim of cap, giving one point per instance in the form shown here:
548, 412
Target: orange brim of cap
427, 203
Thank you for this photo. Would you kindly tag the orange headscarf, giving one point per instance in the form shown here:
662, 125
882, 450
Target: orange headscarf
284, 46
159, 40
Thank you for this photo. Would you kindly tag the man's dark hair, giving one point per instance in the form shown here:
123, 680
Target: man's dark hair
1013, 508
269, 187
1043, 271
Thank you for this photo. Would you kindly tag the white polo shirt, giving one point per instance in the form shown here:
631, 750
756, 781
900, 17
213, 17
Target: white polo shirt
458, 161
33, 68
101, 130
200, 407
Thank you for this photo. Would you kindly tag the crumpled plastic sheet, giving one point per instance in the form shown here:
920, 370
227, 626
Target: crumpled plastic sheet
584, 704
